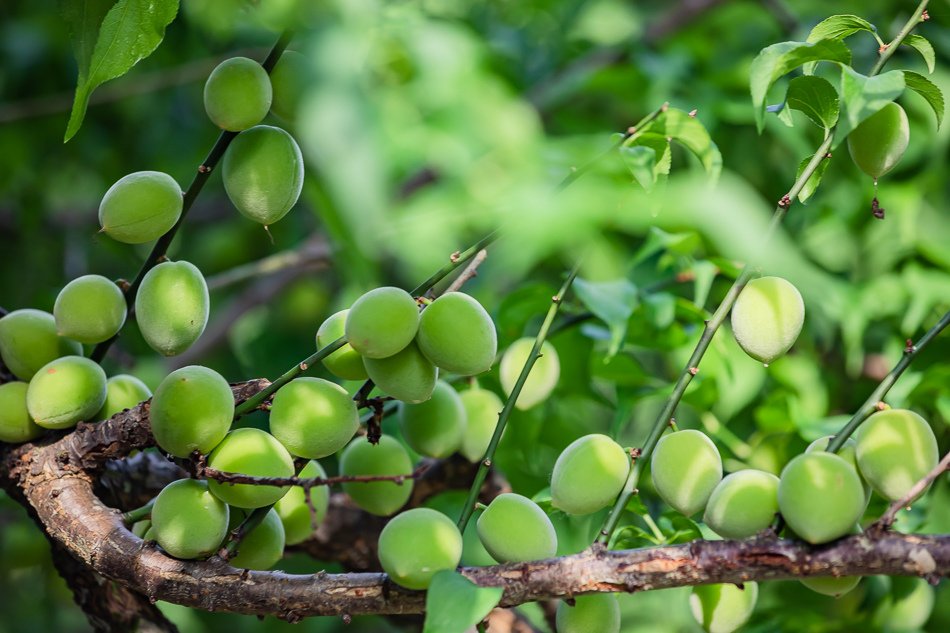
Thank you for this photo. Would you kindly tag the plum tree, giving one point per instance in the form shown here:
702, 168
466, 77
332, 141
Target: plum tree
434, 428
28, 341
593, 613
171, 307
742, 504
187, 520
254, 452
588, 474
820, 496
345, 363
686, 468
237, 94
388, 457
123, 391
288, 80
407, 375
261, 547
16, 425
293, 510
66, 391
262, 173
514, 529
89, 309
313, 417
767, 318
542, 379
140, 207
879, 142
457, 335
895, 432
382, 322
482, 408
723, 608
417, 544
191, 411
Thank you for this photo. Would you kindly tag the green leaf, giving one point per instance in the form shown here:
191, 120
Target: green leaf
813, 181
838, 27
677, 125
454, 604
862, 96
613, 302
648, 157
816, 98
779, 59
84, 18
704, 273
928, 90
923, 46
128, 33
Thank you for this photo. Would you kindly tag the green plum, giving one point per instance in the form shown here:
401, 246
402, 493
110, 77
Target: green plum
187, 520
313, 417
686, 468
909, 607
28, 340
589, 474
140, 528
435, 427
172, 307
482, 408
879, 142
895, 449
388, 457
140, 207
742, 504
723, 608
89, 309
592, 613
191, 411
237, 94
408, 375
834, 586
820, 496
457, 335
345, 363
262, 547
293, 510
16, 425
542, 379
450, 503
254, 452
382, 322
416, 545
289, 81
66, 391
263, 173
514, 529
767, 318
846, 452
123, 392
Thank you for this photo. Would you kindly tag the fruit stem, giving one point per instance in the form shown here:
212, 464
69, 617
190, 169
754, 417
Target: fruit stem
136, 515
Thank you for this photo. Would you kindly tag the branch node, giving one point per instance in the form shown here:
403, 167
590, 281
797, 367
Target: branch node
693, 371
204, 169
909, 347
924, 16
347, 618
785, 202
454, 257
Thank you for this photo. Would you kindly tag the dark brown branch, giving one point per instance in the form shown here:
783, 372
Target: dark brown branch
306, 483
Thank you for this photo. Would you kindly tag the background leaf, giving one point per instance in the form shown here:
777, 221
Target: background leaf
863, 96
678, 125
923, 46
613, 302
928, 90
454, 604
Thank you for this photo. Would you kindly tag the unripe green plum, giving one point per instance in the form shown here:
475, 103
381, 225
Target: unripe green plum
140, 207
909, 607
66, 391
191, 411
250, 451
589, 474
895, 449
345, 363
593, 613
263, 546
767, 318
263, 173
293, 510
542, 379
382, 322
28, 340
237, 94
481, 414
514, 529
723, 608
172, 307
847, 453
388, 457
743, 504
450, 503
89, 309
141, 528
313, 417
833, 586
416, 545
686, 468
435, 427
123, 392
187, 520
289, 81
879, 142
820, 496
408, 375
457, 335
16, 425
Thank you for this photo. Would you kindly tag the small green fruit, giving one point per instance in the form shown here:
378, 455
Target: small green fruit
879, 142
686, 468
382, 322
408, 375
263, 546
767, 318
589, 474
723, 608
123, 392
344, 363
28, 340
593, 613
172, 307
293, 510
450, 503
389, 457
313, 417
895, 449
542, 379
237, 94
89, 309
743, 504
416, 545
16, 425
435, 427
514, 529
250, 451
187, 520
457, 335
820, 496
909, 607
482, 408
66, 391
191, 411
846, 452
289, 81
140, 207
831, 585
263, 173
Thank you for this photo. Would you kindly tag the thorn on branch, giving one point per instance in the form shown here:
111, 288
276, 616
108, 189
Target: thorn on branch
204, 169
909, 347
883, 48
693, 371
827, 154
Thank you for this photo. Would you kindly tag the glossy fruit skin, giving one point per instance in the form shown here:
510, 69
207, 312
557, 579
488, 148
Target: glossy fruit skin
293, 510
408, 376
767, 318
262, 547
723, 608
313, 417
172, 306
820, 496
831, 585
514, 529
382, 322
909, 607
66, 391
686, 468
542, 379
252, 452
345, 363
434, 428
237, 94
846, 452
263, 173
28, 340
416, 545
450, 503
89, 309
589, 474
16, 425
187, 520
123, 392
140, 207
457, 335
593, 613
742, 504
895, 449
482, 408
288, 80
191, 410
389, 457
880, 141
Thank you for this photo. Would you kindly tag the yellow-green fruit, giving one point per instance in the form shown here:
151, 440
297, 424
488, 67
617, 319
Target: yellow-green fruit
263, 173
382, 322
686, 468
895, 449
172, 307
313, 417
542, 379
767, 318
435, 427
250, 451
588, 474
289, 81
293, 510
345, 363
831, 585
481, 415
408, 375
743, 504
910, 606
89, 309
16, 425
140, 207
514, 529
66, 391
388, 457
723, 608
593, 613
191, 411
450, 503
820, 496
123, 392
457, 335
28, 340
846, 452
263, 546
237, 94
416, 545
140, 528
187, 520
879, 142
